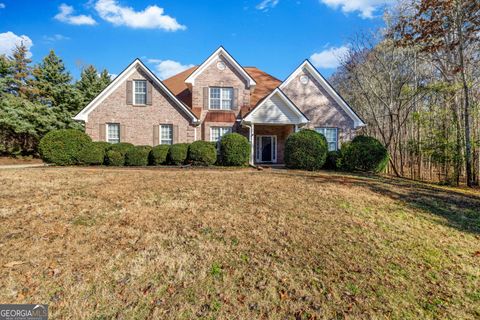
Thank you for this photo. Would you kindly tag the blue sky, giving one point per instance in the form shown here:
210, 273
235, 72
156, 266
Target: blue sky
170, 35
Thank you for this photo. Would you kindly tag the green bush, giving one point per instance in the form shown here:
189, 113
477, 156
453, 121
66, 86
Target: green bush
202, 153
62, 147
306, 149
121, 147
177, 153
92, 154
234, 150
137, 156
365, 154
158, 155
114, 158
331, 161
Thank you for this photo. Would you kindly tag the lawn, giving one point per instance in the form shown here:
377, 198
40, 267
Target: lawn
237, 244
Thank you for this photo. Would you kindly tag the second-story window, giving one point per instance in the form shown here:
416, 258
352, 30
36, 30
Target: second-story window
140, 91
221, 98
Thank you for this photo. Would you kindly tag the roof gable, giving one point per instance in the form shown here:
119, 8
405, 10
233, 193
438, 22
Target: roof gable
276, 108
135, 65
220, 52
306, 65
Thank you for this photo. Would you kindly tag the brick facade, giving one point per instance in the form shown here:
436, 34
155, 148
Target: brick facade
319, 107
137, 122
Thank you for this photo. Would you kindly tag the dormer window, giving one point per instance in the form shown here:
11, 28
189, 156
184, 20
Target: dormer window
220, 98
140, 92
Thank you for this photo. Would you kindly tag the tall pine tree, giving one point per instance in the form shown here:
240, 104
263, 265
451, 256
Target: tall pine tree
91, 83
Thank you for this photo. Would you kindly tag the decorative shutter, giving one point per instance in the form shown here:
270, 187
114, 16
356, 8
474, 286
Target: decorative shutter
129, 92
102, 132
175, 134
205, 98
149, 93
123, 133
156, 132
235, 99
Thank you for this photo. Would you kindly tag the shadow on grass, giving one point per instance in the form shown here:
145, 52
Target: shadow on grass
460, 210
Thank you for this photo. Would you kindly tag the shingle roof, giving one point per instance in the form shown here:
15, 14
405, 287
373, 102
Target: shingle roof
265, 85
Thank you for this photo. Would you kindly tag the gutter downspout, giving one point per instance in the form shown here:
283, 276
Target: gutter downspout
251, 138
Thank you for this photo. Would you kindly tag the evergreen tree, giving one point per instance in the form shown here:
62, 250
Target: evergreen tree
91, 83
52, 86
21, 69
6, 75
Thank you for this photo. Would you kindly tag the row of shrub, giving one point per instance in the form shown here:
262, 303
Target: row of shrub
308, 150
74, 147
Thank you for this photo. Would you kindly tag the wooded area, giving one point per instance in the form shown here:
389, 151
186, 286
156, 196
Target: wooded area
415, 82
37, 99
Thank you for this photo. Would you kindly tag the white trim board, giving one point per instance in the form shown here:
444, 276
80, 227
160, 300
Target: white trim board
135, 65
324, 83
212, 58
301, 117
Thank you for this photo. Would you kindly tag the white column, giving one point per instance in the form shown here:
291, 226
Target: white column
296, 128
252, 144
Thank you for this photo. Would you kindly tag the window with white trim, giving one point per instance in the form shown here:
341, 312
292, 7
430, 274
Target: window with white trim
166, 134
216, 133
139, 92
220, 98
113, 132
331, 134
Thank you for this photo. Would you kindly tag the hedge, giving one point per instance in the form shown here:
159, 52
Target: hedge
306, 149
121, 147
137, 156
177, 153
365, 154
158, 155
92, 154
62, 147
234, 150
331, 161
202, 153
114, 158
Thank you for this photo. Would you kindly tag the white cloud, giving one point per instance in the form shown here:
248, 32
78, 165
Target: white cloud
267, 4
329, 58
66, 15
152, 17
366, 8
167, 68
2, 5
9, 40
55, 37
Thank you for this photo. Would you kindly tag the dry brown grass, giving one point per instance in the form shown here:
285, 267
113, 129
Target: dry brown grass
240, 244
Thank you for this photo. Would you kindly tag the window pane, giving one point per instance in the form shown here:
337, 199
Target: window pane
331, 135
140, 90
227, 94
113, 132
218, 132
166, 134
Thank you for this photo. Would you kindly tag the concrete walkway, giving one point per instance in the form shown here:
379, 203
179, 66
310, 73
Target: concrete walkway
22, 166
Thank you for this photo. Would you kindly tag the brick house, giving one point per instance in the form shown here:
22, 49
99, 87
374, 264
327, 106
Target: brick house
217, 97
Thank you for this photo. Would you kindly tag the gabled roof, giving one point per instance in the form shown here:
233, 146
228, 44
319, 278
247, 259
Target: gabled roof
220, 52
307, 65
137, 63
302, 118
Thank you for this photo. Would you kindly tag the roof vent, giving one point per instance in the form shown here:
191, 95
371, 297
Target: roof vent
221, 65
304, 79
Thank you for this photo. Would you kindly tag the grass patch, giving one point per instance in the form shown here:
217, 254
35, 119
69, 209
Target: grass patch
241, 244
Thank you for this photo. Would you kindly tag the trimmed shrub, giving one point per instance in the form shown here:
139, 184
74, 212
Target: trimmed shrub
158, 155
202, 153
121, 147
62, 147
234, 150
114, 158
137, 156
365, 154
105, 145
306, 149
177, 153
331, 161
92, 154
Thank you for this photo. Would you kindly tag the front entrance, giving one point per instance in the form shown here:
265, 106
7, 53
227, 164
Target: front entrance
266, 148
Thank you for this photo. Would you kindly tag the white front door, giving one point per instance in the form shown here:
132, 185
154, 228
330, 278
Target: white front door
266, 148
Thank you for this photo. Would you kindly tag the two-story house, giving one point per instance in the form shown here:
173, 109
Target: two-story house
217, 97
